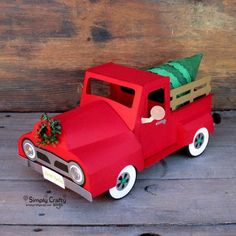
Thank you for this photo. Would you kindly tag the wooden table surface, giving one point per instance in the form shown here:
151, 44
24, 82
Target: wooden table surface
178, 196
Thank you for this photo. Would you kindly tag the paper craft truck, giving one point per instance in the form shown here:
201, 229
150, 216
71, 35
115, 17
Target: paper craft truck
128, 120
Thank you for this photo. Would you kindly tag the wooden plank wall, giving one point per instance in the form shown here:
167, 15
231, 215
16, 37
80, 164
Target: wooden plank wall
45, 45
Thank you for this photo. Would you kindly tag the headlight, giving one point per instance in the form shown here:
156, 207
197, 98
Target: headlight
76, 173
29, 150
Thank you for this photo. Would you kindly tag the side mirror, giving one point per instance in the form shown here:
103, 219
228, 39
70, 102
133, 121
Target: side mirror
157, 113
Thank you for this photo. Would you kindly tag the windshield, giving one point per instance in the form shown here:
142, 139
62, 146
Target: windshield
118, 93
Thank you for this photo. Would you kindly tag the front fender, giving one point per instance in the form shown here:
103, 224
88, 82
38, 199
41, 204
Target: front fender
105, 159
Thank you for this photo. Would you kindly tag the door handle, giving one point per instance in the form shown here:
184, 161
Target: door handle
157, 113
161, 122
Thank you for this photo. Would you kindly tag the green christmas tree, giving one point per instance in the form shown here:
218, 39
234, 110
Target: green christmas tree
180, 71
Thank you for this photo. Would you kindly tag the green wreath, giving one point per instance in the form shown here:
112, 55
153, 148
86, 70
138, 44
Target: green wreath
48, 130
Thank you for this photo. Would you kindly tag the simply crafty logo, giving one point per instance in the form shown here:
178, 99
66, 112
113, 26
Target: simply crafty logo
47, 200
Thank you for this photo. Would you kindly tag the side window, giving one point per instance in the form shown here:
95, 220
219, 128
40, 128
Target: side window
156, 97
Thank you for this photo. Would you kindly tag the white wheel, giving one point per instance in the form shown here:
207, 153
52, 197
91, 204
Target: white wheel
199, 144
125, 182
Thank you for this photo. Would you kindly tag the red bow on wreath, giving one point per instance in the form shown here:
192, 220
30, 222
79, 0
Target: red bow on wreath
48, 130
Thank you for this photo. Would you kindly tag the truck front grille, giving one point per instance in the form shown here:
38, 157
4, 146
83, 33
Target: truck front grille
61, 166
43, 157
52, 161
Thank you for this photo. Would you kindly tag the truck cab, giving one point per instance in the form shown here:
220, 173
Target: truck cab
133, 94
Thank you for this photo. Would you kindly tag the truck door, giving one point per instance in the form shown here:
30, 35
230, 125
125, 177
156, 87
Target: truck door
157, 130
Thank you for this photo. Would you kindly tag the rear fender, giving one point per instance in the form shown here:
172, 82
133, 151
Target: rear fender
191, 128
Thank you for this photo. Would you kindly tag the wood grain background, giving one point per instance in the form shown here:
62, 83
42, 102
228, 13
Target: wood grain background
45, 45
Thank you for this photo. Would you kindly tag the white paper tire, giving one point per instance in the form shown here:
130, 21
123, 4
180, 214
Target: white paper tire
123, 187
199, 144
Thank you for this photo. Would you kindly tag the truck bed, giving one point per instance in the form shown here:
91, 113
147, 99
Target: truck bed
189, 92
192, 111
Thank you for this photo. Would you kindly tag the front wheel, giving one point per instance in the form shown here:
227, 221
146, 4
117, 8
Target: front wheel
199, 144
124, 184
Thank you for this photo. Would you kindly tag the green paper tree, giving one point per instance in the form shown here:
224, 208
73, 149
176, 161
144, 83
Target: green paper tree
180, 71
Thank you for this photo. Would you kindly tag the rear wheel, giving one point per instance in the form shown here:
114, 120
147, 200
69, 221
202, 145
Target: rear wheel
124, 184
216, 118
199, 144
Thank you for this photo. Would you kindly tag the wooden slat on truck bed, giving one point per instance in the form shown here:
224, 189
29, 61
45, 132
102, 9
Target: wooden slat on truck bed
189, 92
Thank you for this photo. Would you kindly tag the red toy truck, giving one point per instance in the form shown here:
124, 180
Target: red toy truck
128, 120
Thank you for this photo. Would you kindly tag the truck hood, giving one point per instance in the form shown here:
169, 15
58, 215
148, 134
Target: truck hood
91, 123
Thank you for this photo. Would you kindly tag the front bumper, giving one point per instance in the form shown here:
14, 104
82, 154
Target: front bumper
68, 183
